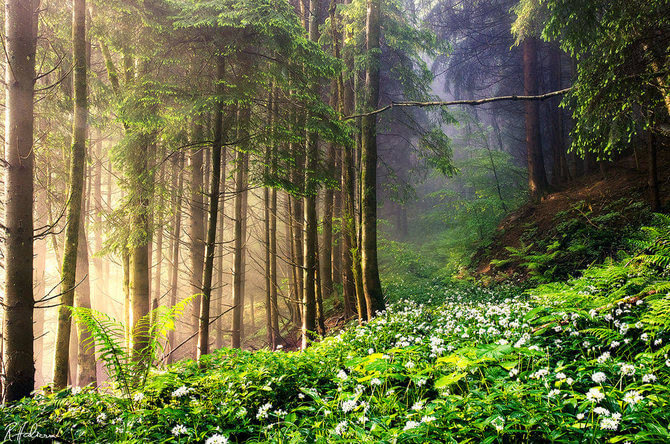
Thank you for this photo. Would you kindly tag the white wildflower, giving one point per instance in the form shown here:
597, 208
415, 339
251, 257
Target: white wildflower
341, 428
649, 378
181, 391
348, 406
595, 395
627, 369
632, 397
179, 429
599, 377
411, 425
217, 439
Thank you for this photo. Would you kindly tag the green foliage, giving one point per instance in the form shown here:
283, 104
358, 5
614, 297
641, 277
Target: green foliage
129, 372
465, 365
621, 54
579, 236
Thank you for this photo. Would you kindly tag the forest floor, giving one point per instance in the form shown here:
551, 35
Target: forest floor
591, 197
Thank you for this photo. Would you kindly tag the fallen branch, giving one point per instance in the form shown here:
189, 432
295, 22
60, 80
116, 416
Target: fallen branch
460, 102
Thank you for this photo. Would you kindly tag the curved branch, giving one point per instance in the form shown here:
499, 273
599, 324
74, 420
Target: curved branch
459, 102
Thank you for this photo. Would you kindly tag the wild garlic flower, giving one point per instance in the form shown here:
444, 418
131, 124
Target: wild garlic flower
632, 397
599, 377
217, 439
179, 429
595, 395
411, 425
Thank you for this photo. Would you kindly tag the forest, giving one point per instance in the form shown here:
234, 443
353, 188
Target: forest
335, 221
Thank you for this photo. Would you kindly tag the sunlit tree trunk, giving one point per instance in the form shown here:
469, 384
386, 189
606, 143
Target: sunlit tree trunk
125, 263
86, 371
139, 253
239, 233
75, 196
293, 298
214, 193
39, 328
371, 283
219, 252
97, 217
196, 228
351, 264
156, 287
177, 185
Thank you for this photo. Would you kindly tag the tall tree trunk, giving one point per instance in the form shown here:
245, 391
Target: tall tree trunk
214, 195
219, 252
177, 185
86, 369
297, 213
77, 171
156, 288
40, 261
269, 152
97, 218
140, 253
371, 284
311, 189
125, 263
197, 229
353, 283
559, 172
274, 315
293, 301
326, 261
239, 235
537, 177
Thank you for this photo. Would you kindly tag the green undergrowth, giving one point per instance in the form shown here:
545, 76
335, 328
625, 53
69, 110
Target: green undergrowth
578, 237
582, 361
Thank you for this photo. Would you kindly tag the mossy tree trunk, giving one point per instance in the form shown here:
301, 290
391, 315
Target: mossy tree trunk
75, 196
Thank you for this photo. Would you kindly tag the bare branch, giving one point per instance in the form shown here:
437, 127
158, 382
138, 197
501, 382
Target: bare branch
460, 102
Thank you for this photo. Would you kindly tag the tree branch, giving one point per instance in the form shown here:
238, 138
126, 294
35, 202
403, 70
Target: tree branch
459, 102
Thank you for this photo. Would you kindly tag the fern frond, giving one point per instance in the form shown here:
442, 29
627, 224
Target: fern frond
109, 335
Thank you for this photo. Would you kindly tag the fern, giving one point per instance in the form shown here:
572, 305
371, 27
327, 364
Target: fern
128, 372
108, 335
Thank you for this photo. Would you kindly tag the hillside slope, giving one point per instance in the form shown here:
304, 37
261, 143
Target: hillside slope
581, 223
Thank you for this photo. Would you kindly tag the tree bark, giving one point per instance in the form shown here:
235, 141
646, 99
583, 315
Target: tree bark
197, 229
139, 259
214, 194
97, 218
73, 218
125, 263
241, 161
311, 189
177, 185
86, 369
537, 177
559, 172
156, 288
219, 280
353, 288
370, 271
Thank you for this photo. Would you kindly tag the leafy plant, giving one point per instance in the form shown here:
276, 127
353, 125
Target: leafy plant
129, 372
